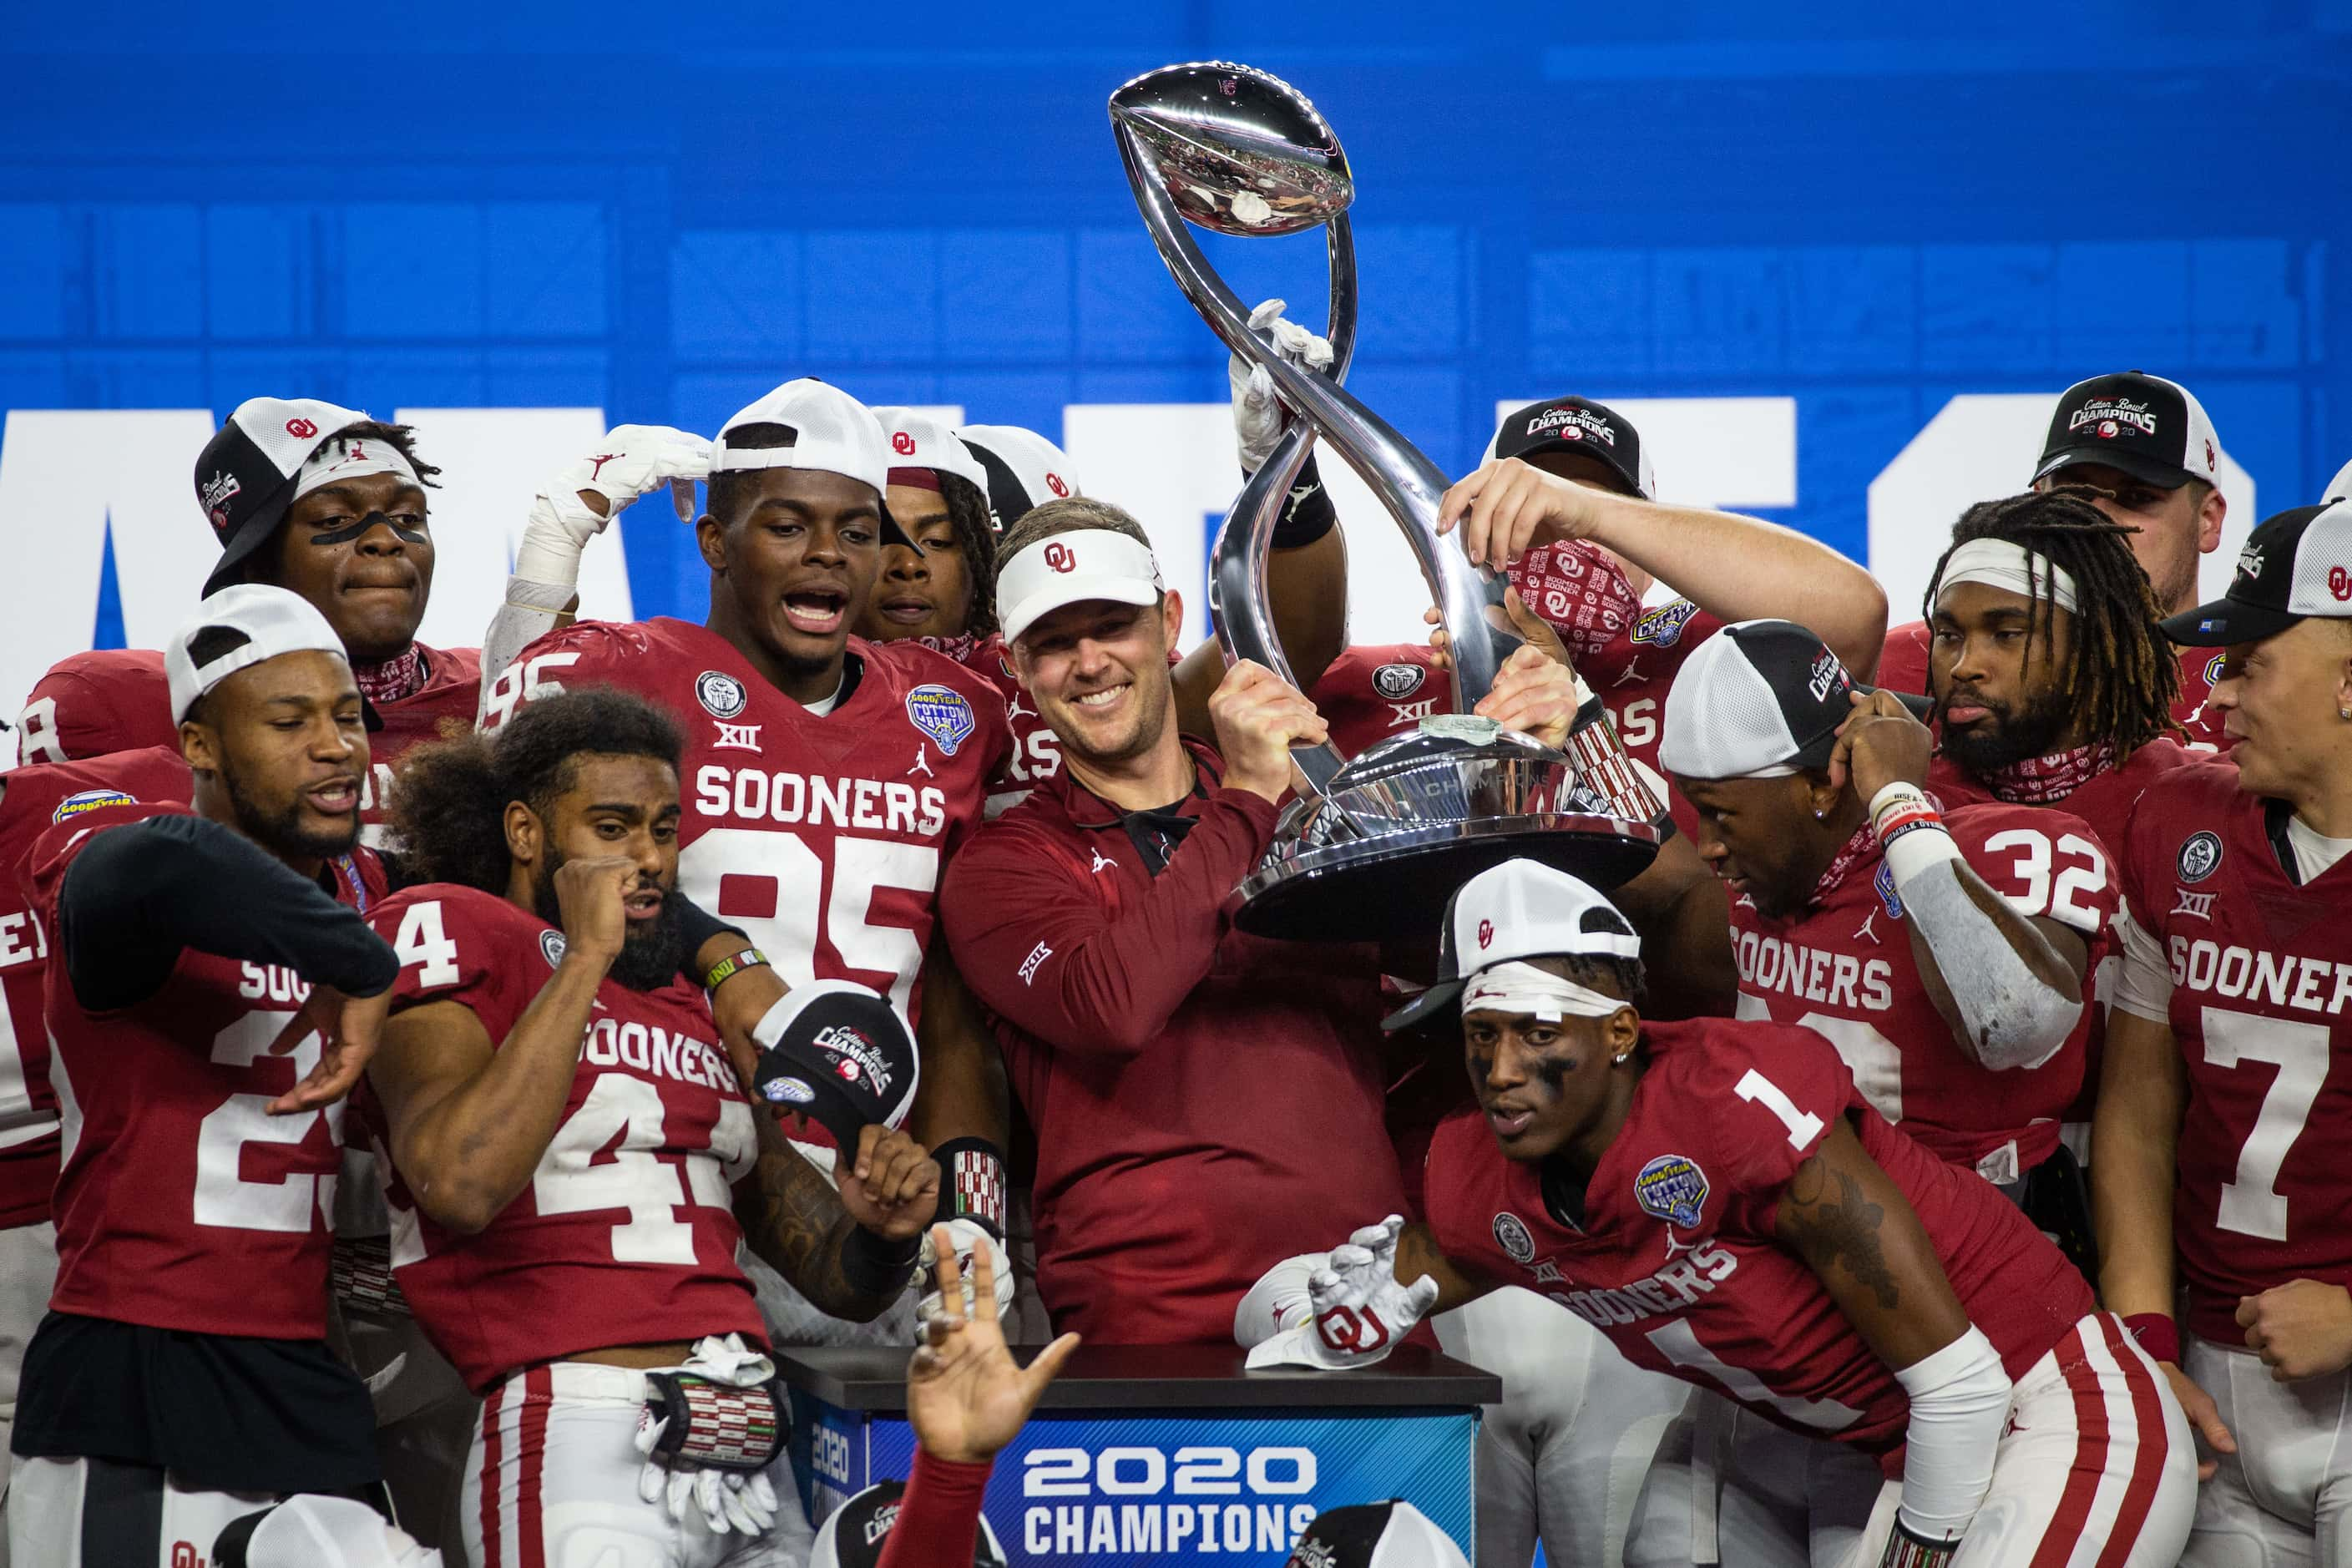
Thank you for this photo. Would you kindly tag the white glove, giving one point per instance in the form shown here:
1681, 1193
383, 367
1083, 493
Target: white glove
629, 461
970, 1235
1278, 1301
1361, 1311
1258, 414
728, 1500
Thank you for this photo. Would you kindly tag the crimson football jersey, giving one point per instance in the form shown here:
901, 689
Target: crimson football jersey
32, 800
1843, 965
1902, 667
117, 700
183, 1203
1676, 1260
626, 1234
2261, 973
820, 836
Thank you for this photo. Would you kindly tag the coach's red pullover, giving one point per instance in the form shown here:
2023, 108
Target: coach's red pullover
1207, 1103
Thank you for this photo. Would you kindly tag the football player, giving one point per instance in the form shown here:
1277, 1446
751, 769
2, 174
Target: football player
331, 505
1719, 1200
827, 779
2144, 445
204, 959
572, 1161
2221, 1116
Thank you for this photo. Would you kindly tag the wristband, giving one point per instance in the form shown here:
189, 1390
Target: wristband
2157, 1333
971, 1184
1906, 1549
733, 964
1897, 806
875, 1264
1308, 513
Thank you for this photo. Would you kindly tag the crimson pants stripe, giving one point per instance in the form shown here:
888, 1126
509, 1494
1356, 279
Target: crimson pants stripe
2090, 1460
492, 1409
2147, 1463
539, 1390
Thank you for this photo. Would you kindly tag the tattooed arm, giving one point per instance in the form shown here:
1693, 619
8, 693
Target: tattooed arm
852, 1251
1853, 1228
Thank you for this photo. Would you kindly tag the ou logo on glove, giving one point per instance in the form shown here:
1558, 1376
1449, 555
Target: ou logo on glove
1351, 1332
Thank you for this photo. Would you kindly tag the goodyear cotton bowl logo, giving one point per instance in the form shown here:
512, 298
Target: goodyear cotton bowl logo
1884, 885
1672, 1188
788, 1091
944, 714
88, 801
2110, 413
1662, 627
721, 695
2200, 854
1511, 1236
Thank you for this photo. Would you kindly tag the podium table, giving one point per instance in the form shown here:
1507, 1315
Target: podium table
1165, 1454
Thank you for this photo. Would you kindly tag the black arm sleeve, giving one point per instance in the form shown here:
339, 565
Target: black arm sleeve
699, 926
137, 894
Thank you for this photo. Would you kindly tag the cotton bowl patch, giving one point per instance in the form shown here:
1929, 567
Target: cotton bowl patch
721, 695
1511, 1236
1672, 1188
1662, 627
1883, 884
2200, 854
788, 1090
90, 800
944, 714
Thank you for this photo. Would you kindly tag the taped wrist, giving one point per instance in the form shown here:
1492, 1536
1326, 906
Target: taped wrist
1908, 1549
1308, 513
1605, 764
2013, 1018
1910, 830
971, 1184
1960, 1401
877, 1266
715, 1425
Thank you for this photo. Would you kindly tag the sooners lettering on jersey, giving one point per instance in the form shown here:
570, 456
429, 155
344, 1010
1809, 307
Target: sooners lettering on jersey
1676, 1262
183, 1202
32, 800
822, 837
1844, 966
1902, 667
1032, 752
2262, 978
117, 700
626, 1234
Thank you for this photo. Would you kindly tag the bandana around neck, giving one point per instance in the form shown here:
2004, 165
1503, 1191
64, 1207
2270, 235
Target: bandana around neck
2038, 780
1858, 848
401, 676
958, 649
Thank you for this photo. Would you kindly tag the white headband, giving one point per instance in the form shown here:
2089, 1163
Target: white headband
1998, 563
351, 459
1072, 568
1515, 987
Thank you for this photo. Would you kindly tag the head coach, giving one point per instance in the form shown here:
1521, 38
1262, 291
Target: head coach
1202, 1098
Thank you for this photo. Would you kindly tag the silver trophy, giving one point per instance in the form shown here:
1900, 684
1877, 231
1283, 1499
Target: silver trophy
1379, 843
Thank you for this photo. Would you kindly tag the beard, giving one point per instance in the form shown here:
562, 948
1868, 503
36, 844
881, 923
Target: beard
2012, 736
653, 953
282, 830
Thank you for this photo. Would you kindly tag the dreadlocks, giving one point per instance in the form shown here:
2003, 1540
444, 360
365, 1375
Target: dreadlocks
2123, 677
976, 537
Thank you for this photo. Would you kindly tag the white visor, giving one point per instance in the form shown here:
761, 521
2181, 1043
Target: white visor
1071, 569
351, 459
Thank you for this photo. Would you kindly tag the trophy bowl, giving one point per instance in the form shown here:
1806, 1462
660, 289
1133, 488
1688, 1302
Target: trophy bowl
1238, 152
1410, 820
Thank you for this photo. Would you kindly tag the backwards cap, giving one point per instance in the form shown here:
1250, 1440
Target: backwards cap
274, 622
833, 433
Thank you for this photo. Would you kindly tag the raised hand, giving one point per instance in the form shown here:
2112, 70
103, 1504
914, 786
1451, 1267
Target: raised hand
966, 1398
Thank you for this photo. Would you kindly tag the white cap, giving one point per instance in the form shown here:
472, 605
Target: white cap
918, 441
312, 1531
1071, 569
833, 434
274, 622
1393, 1534
1024, 469
1520, 908
2340, 486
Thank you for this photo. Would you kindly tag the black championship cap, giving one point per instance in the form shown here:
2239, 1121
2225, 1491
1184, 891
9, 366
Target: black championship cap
841, 1054
1577, 425
854, 1535
245, 475
2151, 429
1759, 700
1393, 1534
2295, 565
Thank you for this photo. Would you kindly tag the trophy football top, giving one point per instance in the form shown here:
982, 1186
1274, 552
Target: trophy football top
1238, 151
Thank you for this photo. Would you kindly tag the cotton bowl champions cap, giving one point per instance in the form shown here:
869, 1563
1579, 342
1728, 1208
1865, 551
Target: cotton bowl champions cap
1070, 568
1393, 1534
839, 1053
2151, 429
1520, 908
247, 474
2297, 566
1577, 425
274, 622
1024, 469
854, 1535
1759, 700
833, 433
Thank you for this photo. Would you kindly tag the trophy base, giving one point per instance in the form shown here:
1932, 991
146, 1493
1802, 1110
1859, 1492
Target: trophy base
1395, 885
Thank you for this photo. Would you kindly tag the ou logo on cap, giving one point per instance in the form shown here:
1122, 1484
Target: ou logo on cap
903, 444
1485, 934
1060, 558
2339, 583
300, 429
1053, 483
